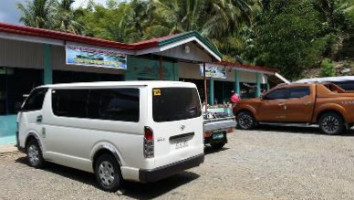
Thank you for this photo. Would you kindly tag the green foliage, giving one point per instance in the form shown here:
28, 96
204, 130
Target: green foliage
327, 68
290, 35
36, 13
50, 14
287, 37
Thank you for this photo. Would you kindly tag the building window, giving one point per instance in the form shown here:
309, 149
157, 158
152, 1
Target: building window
14, 84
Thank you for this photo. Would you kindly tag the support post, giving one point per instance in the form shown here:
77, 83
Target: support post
258, 89
237, 82
48, 72
211, 90
205, 89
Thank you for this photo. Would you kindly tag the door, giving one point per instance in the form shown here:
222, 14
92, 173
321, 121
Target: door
272, 107
177, 124
30, 117
300, 104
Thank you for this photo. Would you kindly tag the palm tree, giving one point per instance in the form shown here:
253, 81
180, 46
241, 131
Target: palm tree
180, 15
64, 18
36, 13
226, 16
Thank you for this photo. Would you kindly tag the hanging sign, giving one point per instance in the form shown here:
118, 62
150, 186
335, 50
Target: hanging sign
212, 71
87, 56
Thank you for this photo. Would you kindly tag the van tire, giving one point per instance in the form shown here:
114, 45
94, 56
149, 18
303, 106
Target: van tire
245, 120
34, 154
331, 123
108, 174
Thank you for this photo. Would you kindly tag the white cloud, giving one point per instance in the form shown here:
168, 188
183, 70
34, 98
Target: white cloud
83, 3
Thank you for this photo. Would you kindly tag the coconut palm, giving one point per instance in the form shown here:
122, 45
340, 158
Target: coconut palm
226, 16
36, 13
180, 15
64, 18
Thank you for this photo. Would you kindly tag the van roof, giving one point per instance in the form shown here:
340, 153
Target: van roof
121, 83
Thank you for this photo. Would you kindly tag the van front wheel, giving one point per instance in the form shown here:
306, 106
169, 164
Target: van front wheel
34, 154
107, 172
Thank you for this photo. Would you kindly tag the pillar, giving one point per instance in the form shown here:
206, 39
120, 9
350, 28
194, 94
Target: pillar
211, 91
258, 89
48, 71
237, 82
268, 86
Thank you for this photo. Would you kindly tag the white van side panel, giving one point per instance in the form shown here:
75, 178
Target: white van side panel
73, 141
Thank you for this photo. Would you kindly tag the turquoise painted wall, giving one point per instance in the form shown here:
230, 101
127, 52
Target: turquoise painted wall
7, 129
141, 68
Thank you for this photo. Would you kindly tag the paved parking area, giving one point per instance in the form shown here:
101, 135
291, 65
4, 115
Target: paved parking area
268, 163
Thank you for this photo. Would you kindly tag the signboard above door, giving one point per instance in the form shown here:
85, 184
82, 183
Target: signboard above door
213, 71
87, 56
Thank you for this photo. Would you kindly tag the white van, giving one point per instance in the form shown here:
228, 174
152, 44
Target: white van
140, 130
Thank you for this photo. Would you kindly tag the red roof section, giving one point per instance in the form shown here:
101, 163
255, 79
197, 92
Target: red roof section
248, 66
151, 42
57, 35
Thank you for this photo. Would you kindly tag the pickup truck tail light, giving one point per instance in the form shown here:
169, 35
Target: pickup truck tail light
148, 142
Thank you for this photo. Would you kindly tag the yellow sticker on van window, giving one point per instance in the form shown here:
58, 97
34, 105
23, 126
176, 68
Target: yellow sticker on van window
157, 92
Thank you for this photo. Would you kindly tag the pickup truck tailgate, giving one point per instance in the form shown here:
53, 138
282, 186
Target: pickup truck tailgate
219, 124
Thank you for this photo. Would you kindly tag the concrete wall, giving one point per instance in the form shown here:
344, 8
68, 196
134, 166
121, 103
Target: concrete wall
195, 53
21, 54
7, 129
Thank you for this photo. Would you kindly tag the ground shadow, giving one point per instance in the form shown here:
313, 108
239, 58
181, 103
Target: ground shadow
210, 150
131, 189
296, 129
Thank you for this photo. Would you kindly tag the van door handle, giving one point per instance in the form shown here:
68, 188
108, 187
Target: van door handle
39, 118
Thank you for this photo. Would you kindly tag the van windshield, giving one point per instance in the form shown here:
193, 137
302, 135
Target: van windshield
171, 104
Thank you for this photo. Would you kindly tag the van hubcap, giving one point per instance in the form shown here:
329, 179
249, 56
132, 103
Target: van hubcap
330, 124
106, 173
33, 154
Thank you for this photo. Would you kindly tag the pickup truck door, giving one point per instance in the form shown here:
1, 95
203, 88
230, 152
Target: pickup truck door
272, 107
300, 104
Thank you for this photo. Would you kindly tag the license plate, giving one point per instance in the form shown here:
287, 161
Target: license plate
181, 144
218, 136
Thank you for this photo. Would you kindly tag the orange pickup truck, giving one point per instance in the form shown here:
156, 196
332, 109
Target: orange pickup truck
325, 104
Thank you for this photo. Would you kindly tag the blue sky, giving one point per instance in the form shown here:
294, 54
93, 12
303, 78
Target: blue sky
10, 14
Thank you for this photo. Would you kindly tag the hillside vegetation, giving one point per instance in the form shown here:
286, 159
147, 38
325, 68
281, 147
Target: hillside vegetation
294, 36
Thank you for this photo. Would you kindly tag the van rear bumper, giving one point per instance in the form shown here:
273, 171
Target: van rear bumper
159, 173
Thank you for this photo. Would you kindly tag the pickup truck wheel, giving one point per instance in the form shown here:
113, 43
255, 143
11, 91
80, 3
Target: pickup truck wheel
331, 123
218, 145
107, 172
245, 120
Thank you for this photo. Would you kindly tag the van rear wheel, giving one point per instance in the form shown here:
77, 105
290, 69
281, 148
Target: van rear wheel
107, 172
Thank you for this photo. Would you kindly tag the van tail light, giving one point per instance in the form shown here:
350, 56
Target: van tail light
148, 142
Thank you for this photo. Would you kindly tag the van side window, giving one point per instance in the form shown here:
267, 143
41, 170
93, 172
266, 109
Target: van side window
70, 103
299, 92
35, 100
114, 104
105, 104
